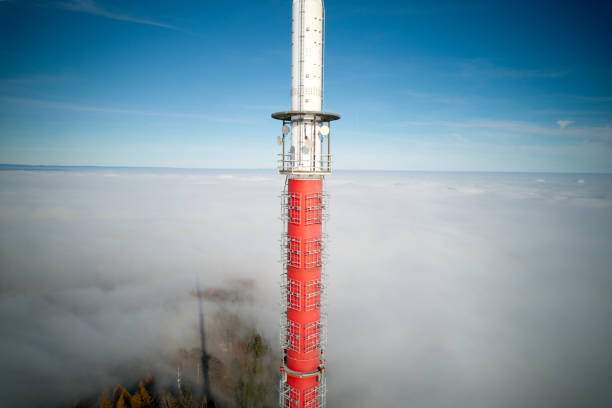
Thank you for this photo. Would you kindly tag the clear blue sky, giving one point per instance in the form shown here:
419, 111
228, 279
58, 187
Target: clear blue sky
467, 86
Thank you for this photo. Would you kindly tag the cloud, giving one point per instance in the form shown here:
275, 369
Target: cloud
36, 79
479, 283
103, 317
595, 98
480, 68
98, 109
451, 100
509, 128
92, 7
419, 10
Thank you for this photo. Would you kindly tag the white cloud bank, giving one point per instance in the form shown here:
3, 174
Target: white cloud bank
446, 290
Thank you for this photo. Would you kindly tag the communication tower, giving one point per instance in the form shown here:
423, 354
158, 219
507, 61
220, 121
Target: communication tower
305, 160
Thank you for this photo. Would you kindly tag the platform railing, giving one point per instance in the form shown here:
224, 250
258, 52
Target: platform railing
313, 397
321, 164
289, 397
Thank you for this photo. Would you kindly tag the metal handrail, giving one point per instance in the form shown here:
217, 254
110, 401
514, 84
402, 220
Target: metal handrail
321, 164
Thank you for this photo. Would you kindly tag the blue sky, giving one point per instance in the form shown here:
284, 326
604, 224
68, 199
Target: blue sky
442, 86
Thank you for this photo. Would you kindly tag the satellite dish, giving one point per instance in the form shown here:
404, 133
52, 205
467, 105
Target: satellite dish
286, 129
324, 130
279, 140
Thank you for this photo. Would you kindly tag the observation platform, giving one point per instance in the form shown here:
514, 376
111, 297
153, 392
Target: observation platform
319, 116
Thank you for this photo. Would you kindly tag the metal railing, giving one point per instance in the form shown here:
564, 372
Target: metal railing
316, 397
306, 254
289, 397
313, 397
316, 205
321, 164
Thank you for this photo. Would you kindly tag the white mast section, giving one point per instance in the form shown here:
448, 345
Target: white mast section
306, 81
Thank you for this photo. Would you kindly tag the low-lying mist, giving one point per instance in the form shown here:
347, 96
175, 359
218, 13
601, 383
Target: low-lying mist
445, 290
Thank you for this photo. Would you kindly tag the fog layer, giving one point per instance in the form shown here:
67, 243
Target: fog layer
446, 290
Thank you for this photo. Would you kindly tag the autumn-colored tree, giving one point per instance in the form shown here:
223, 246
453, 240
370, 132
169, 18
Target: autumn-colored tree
105, 402
142, 398
124, 400
136, 401
148, 382
117, 393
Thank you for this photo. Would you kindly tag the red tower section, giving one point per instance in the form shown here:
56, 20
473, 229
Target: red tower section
303, 331
302, 325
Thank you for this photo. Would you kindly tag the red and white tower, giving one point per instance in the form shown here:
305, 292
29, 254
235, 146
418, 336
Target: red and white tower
305, 160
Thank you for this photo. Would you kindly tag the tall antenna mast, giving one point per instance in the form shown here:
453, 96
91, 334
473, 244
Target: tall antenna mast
305, 161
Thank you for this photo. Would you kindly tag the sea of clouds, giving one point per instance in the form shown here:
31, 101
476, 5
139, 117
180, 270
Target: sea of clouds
445, 289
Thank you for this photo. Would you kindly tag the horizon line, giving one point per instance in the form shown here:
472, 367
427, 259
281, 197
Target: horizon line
9, 166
